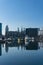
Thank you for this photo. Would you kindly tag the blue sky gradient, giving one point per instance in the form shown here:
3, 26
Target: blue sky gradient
21, 13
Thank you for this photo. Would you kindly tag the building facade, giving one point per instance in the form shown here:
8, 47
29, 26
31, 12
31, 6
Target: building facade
6, 31
0, 28
32, 32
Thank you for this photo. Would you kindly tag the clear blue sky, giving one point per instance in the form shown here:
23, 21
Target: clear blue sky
21, 13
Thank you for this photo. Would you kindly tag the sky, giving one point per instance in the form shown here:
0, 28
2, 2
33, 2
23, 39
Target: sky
21, 13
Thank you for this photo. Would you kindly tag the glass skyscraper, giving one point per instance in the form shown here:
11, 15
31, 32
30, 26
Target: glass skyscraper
0, 28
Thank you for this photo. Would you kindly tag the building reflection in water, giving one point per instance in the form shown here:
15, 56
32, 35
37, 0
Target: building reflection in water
0, 50
6, 47
31, 46
40, 44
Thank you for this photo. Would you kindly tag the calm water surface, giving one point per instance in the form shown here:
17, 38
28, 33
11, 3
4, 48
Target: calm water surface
21, 55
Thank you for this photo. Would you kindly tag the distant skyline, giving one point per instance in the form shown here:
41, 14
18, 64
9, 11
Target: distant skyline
21, 13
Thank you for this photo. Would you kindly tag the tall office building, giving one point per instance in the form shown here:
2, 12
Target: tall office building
0, 28
6, 30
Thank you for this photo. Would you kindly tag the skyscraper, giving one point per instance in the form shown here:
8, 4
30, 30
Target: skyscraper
6, 30
0, 28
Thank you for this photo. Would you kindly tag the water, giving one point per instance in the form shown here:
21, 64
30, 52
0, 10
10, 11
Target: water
21, 55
